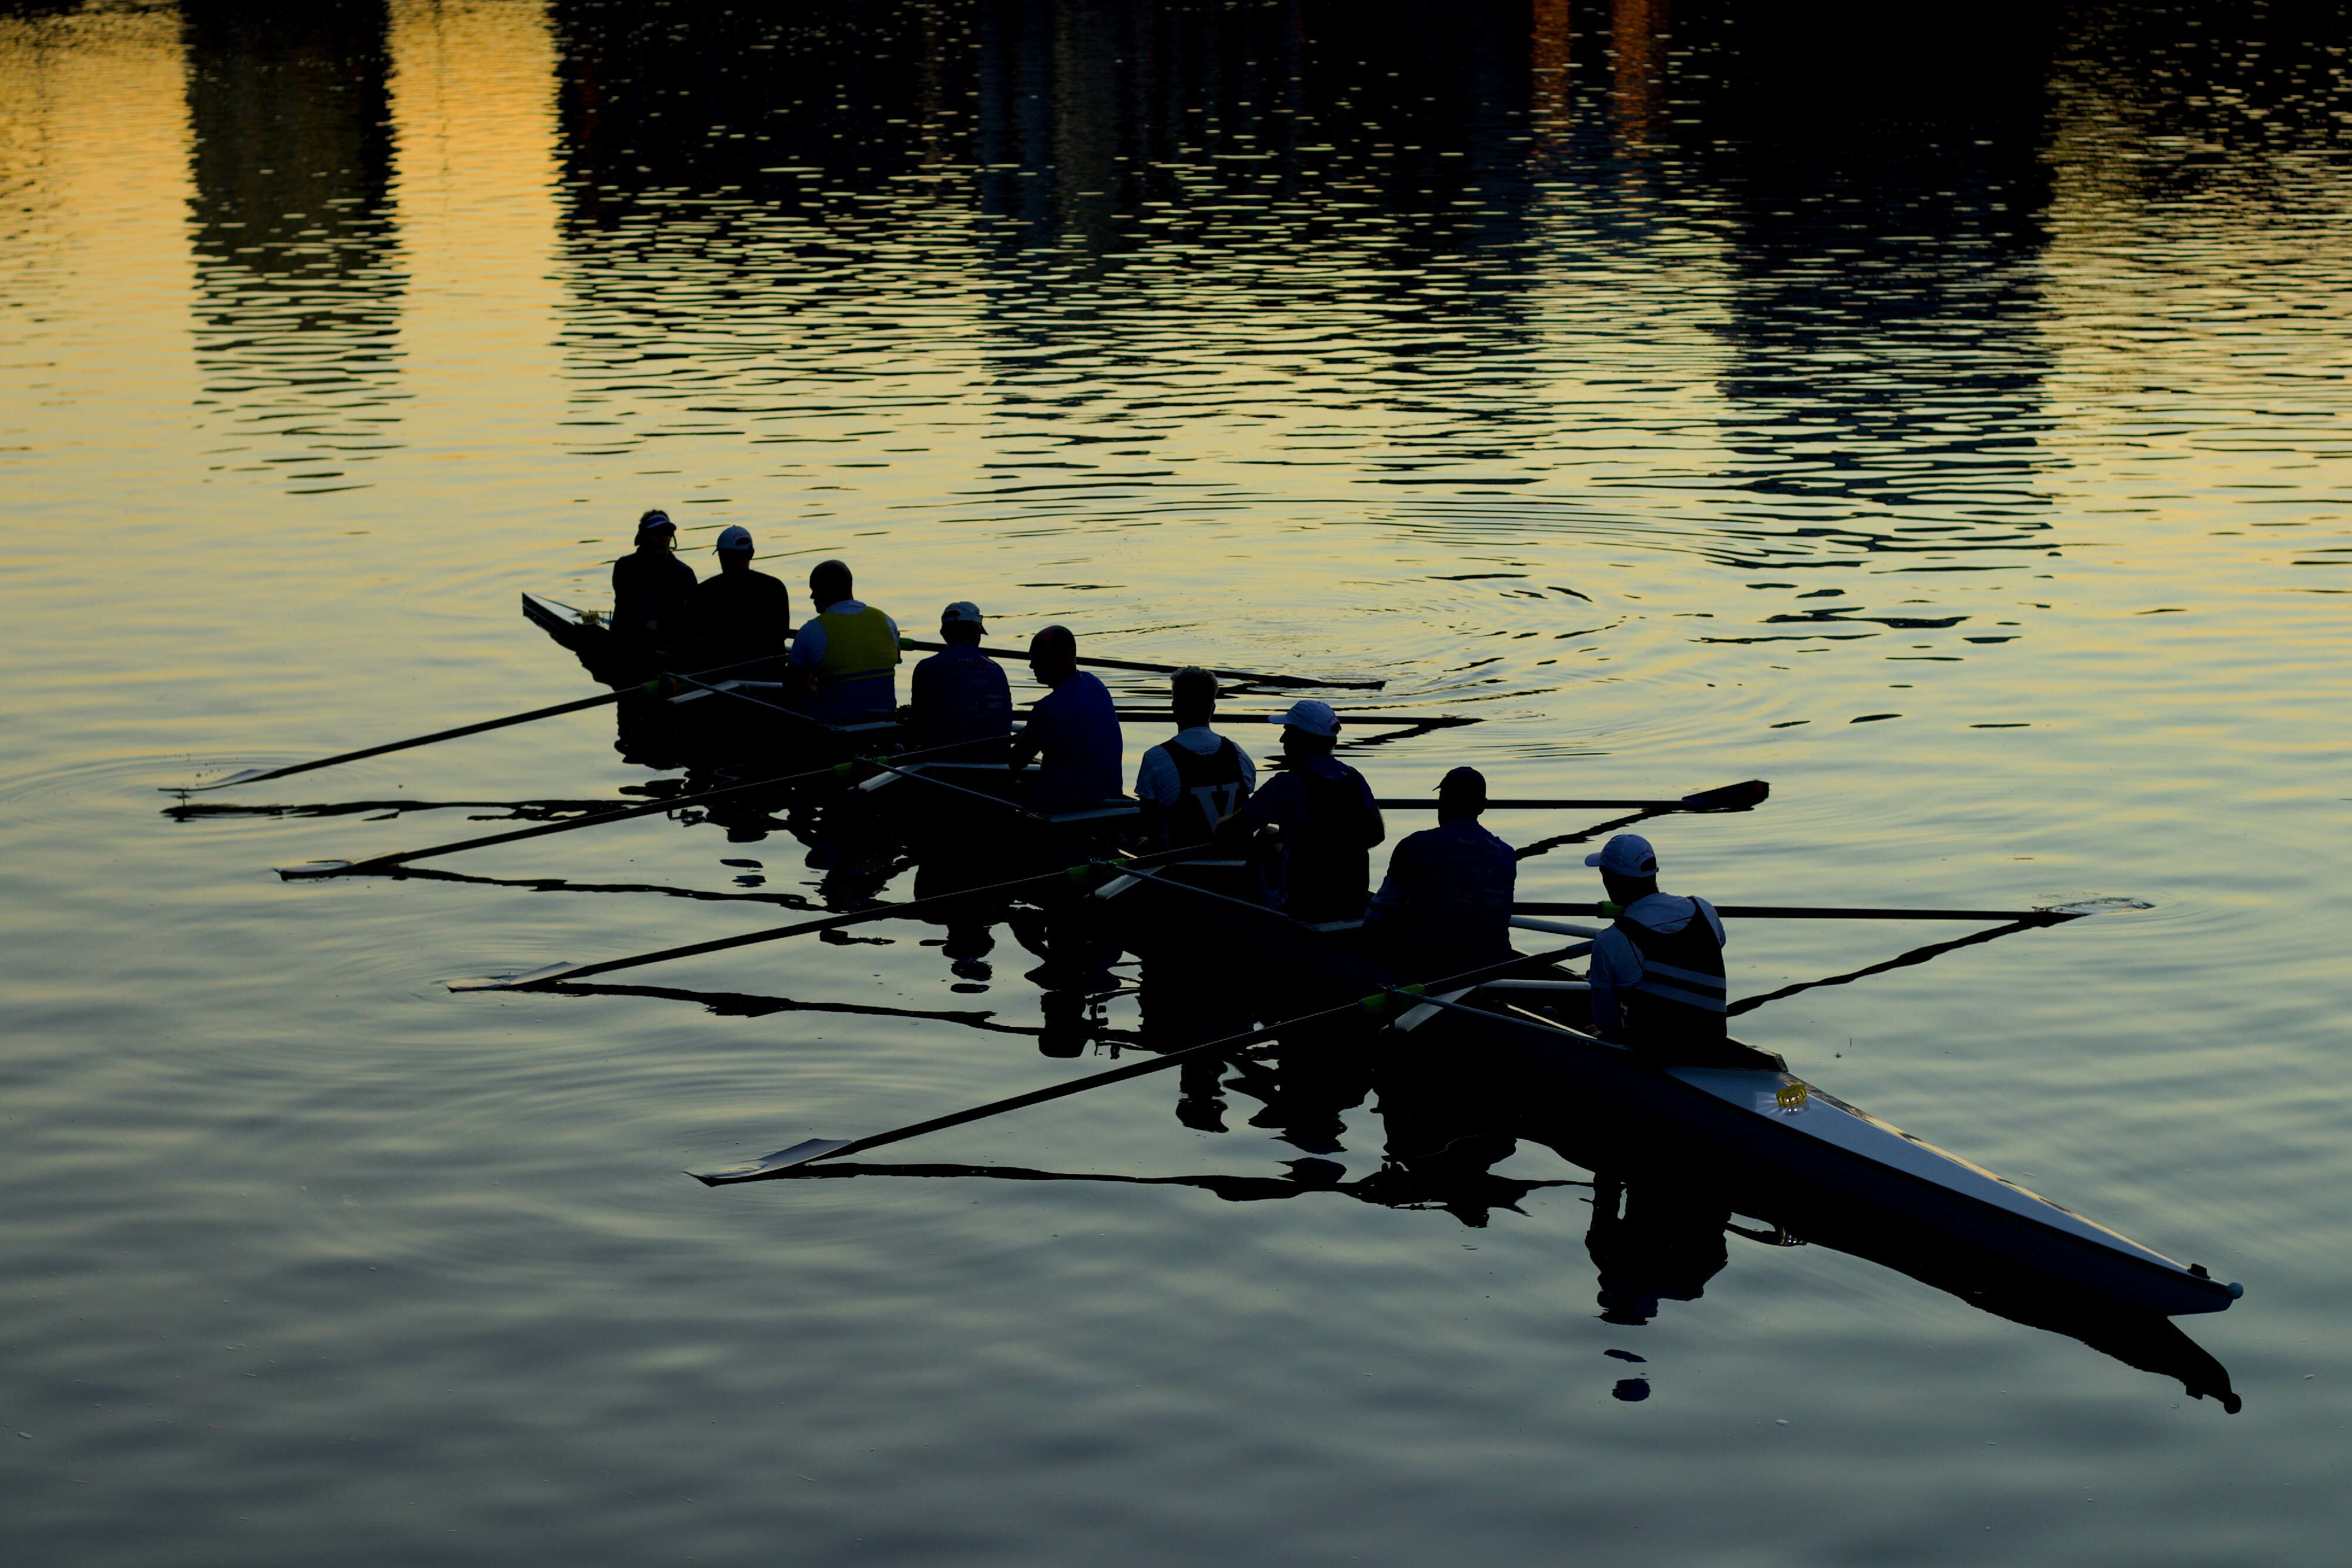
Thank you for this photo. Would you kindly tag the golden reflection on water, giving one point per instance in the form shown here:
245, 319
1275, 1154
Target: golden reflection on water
1983, 485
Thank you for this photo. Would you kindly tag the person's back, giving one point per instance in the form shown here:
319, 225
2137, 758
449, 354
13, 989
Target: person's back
848, 654
959, 697
1657, 974
1191, 781
740, 615
653, 591
1445, 905
1322, 870
1073, 730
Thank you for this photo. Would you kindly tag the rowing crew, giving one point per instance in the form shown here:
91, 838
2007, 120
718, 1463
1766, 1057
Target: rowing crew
1444, 906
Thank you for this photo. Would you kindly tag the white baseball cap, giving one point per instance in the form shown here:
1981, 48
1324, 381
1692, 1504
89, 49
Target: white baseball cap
1314, 718
961, 610
734, 539
1626, 856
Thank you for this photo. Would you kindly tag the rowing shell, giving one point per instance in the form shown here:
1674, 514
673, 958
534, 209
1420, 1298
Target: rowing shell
1799, 1157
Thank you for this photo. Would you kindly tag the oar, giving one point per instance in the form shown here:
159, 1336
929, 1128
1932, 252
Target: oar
1360, 720
1809, 912
1902, 961
375, 863
1729, 797
808, 1151
551, 973
261, 775
1245, 676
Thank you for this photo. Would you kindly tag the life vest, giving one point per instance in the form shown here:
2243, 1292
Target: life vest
1680, 999
1209, 787
857, 646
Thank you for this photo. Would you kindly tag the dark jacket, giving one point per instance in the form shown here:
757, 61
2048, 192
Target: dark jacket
653, 598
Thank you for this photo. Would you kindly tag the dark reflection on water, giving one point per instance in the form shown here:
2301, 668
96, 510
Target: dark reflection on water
297, 262
1580, 359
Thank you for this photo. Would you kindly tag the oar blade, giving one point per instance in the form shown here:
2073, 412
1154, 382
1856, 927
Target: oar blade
539, 976
800, 1153
308, 869
1729, 797
243, 776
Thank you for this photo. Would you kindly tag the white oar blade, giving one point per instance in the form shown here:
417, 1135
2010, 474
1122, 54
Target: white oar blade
800, 1153
508, 982
314, 868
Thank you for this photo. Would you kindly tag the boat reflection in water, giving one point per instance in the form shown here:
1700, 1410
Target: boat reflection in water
1655, 1242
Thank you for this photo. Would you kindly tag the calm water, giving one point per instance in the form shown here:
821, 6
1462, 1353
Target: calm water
1948, 423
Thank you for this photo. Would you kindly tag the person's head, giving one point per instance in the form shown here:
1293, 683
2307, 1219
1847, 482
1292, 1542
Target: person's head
1053, 655
1461, 795
961, 622
655, 531
1629, 868
829, 582
1192, 692
735, 549
1310, 729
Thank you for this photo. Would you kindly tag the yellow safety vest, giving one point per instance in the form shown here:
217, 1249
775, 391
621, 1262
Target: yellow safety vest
856, 646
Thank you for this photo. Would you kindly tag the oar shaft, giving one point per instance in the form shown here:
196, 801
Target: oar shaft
1804, 912
1140, 667
1520, 803
602, 699
823, 922
1373, 1004
1362, 721
620, 815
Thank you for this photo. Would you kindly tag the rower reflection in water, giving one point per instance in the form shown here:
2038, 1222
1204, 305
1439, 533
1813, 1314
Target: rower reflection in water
847, 654
1188, 784
1652, 1244
960, 695
1445, 905
1073, 731
1313, 827
653, 592
740, 615
1657, 973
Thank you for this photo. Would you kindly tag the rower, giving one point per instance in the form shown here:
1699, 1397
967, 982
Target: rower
1445, 905
653, 591
742, 614
1073, 730
1317, 821
1191, 783
847, 652
960, 693
1657, 974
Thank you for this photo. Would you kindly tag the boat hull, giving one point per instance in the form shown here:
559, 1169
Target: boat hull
1797, 1157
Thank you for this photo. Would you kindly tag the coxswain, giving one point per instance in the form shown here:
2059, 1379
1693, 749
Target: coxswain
960, 695
847, 653
1314, 824
740, 615
1656, 973
1445, 905
1193, 781
653, 591
1073, 731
